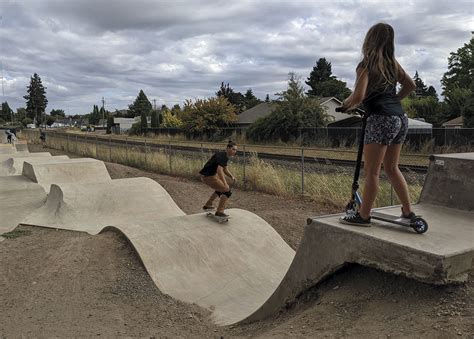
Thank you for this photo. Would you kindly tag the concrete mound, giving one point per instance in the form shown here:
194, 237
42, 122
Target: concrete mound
14, 165
7, 149
89, 207
66, 171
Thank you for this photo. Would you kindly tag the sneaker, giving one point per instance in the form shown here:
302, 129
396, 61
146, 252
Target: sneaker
355, 219
410, 215
221, 215
207, 208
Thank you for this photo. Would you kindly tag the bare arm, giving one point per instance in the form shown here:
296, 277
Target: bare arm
227, 172
360, 88
408, 85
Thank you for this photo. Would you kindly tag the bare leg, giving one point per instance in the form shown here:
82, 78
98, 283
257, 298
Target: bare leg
213, 197
222, 204
373, 156
390, 164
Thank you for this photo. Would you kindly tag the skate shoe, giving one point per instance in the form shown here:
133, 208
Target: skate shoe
355, 220
221, 215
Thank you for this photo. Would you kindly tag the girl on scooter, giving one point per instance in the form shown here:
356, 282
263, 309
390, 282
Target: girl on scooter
377, 76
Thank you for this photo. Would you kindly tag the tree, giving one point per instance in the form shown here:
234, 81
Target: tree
323, 84
57, 112
235, 98
468, 110
250, 99
267, 98
457, 81
294, 110
140, 105
36, 100
6, 113
212, 113
421, 90
110, 124
94, 116
170, 120
155, 119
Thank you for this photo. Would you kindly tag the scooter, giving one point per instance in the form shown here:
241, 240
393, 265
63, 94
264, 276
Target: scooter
416, 222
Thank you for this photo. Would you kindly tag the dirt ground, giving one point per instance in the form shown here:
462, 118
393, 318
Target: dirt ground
56, 283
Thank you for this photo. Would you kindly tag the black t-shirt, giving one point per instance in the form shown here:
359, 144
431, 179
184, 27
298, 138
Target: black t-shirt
218, 159
384, 102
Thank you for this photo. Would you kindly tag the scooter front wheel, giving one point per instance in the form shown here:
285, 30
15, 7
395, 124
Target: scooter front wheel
419, 225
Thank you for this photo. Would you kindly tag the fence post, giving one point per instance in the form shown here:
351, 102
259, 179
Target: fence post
202, 155
391, 195
67, 143
75, 148
110, 149
245, 181
302, 171
145, 154
169, 142
96, 148
126, 150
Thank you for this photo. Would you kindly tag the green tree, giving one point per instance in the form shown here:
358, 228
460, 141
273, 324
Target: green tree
57, 112
294, 110
212, 113
250, 99
170, 120
421, 90
468, 110
235, 98
110, 123
457, 81
36, 100
94, 116
6, 113
21, 114
155, 119
323, 84
267, 98
140, 106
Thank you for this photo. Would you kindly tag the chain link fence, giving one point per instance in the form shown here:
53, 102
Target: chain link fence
323, 174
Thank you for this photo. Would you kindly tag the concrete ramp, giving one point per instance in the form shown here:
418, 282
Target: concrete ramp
7, 149
14, 165
4, 157
21, 146
89, 207
66, 171
19, 196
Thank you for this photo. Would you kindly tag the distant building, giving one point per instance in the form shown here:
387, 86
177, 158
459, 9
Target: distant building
454, 123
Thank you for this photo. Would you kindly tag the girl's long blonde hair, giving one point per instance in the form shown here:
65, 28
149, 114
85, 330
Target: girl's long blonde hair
379, 57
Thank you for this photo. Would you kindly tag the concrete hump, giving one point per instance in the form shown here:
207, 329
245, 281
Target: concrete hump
89, 207
7, 149
21, 146
229, 268
14, 165
66, 171
450, 181
18, 197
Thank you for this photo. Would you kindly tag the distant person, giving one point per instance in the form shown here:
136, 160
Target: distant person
377, 76
43, 138
213, 175
9, 136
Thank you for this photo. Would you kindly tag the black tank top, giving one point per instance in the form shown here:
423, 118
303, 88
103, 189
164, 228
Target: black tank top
383, 102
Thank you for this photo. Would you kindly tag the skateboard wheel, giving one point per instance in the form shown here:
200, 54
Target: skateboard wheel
419, 225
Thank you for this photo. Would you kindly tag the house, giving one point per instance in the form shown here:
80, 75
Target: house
249, 116
454, 123
124, 124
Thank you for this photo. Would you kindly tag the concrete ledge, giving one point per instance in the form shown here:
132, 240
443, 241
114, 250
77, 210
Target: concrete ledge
14, 165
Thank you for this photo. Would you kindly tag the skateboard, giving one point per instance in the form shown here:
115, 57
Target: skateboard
218, 219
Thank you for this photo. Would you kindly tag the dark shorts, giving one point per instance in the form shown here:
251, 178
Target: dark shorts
386, 129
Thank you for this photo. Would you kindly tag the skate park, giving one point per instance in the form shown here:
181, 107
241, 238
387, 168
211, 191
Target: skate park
242, 271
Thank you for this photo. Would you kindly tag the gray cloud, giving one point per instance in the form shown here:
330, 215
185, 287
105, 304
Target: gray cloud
176, 50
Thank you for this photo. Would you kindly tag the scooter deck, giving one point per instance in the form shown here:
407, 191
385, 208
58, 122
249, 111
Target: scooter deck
391, 218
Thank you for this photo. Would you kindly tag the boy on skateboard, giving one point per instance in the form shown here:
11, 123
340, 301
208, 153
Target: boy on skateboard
213, 175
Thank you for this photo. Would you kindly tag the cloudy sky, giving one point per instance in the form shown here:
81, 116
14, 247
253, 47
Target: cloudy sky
174, 50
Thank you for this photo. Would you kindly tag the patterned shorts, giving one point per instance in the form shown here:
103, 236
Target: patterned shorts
386, 129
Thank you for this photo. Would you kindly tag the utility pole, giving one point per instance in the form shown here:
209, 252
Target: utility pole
103, 112
154, 104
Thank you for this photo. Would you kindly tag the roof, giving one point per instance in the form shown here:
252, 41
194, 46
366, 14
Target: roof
251, 115
456, 121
